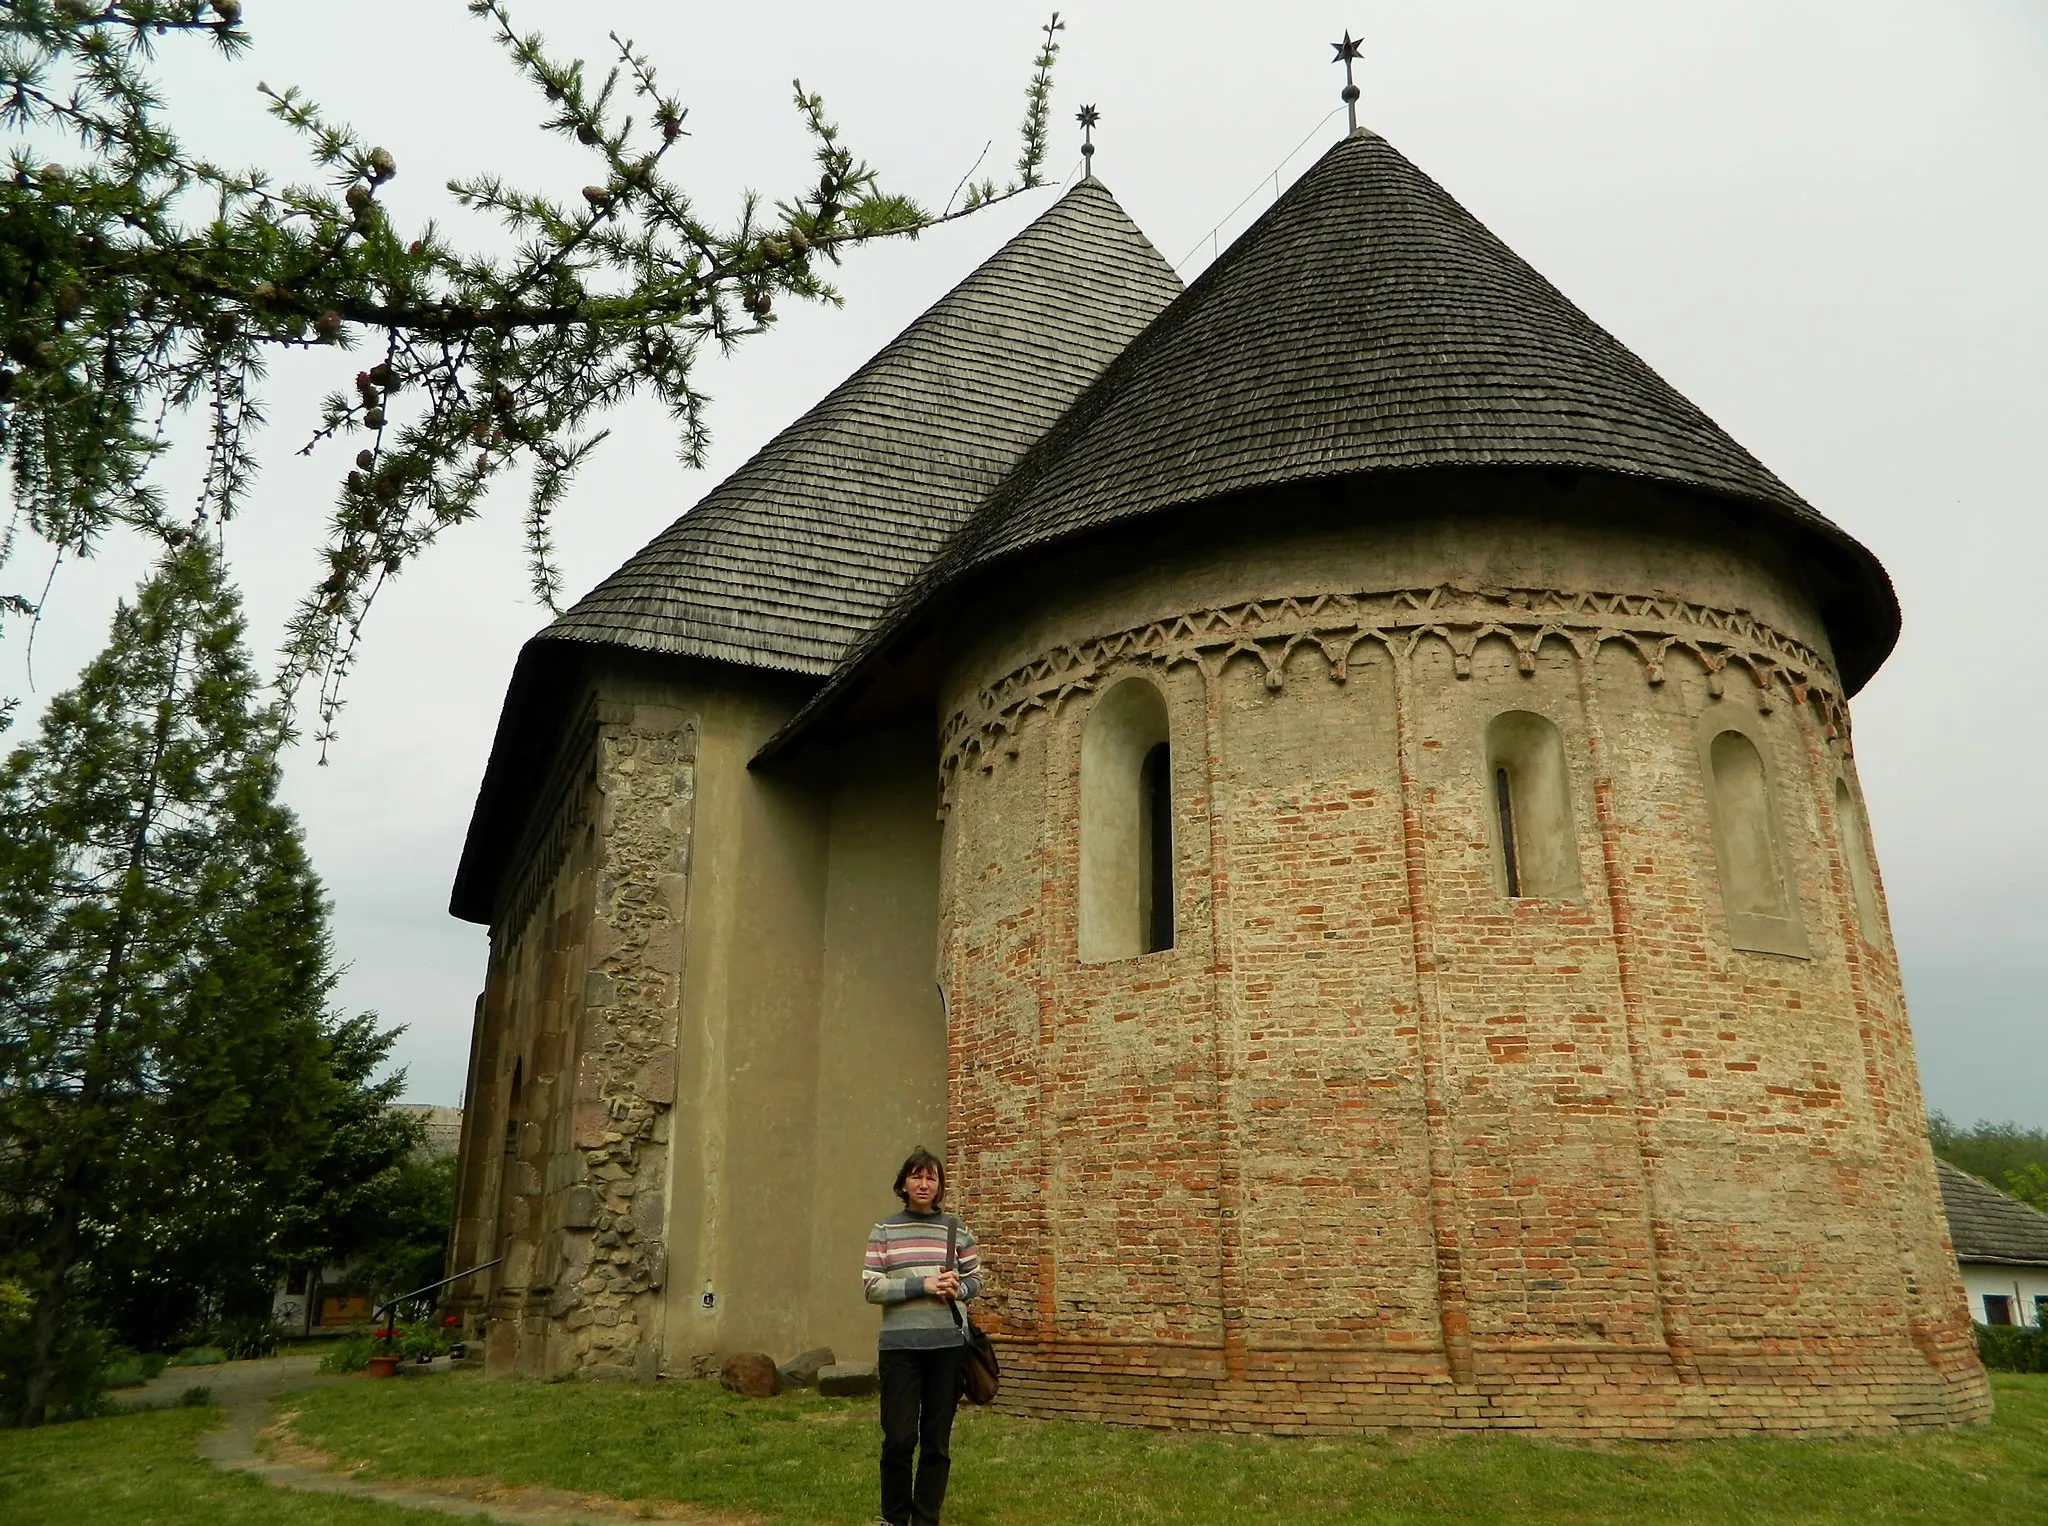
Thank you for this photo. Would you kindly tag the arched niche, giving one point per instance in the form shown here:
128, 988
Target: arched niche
1126, 900
1856, 856
1748, 851
1529, 805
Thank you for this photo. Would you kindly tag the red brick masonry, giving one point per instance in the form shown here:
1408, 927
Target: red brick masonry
1374, 1145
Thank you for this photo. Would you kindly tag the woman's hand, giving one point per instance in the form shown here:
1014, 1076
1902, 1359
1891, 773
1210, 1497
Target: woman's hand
943, 1285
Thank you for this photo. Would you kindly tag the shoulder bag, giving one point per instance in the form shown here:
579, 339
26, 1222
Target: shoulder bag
980, 1374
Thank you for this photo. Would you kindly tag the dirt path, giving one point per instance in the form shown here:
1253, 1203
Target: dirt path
248, 1394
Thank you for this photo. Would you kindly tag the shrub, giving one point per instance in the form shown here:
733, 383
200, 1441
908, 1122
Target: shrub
244, 1339
199, 1356
80, 1359
422, 1339
2013, 1348
198, 1396
128, 1368
349, 1354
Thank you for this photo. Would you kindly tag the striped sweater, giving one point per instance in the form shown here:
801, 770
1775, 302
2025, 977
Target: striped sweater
903, 1250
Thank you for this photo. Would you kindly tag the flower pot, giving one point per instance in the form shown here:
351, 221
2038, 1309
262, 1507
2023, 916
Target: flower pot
383, 1366
458, 1351
425, 1358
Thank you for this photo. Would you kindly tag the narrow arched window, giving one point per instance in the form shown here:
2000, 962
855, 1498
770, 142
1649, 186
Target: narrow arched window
1856, 855
1156, 833
1529, 804
512, 1105
1750, 881
1126, 901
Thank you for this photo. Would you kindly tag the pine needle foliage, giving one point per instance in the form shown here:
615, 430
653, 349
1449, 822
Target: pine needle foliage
172, 1081
139, 282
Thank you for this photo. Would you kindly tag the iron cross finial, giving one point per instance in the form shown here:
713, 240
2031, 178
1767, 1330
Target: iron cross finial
1346, 54
1088, 116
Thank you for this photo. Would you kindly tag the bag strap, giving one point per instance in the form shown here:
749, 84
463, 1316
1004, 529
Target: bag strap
952, 1263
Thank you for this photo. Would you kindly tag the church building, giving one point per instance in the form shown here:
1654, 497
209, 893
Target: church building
1327, 795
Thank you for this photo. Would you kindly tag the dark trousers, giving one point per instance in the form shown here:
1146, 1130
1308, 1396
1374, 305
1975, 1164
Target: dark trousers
920, 1390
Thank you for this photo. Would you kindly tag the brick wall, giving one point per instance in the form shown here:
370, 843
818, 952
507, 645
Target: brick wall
1375, 1145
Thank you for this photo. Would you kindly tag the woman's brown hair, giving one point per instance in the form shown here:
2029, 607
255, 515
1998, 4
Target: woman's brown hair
917, 1160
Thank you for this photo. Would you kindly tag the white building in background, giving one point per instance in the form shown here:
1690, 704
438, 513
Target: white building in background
2002, 1247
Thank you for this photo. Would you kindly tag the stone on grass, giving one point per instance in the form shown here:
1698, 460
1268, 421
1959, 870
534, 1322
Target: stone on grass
802, 1371
750, 1374
847, 1380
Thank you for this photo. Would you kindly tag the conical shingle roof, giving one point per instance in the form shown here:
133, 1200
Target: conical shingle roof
1368, 322
793, 556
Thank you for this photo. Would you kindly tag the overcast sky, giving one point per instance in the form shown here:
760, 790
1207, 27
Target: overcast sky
1823, 220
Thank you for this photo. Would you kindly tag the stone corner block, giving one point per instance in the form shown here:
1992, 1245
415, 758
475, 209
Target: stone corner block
656, 1080
561, 1358
593, 1120
579, 1208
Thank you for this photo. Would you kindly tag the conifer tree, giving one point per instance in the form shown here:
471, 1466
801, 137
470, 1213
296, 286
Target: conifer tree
139, 280
170, 1073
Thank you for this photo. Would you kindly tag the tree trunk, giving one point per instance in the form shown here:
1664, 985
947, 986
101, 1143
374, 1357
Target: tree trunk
46, 1317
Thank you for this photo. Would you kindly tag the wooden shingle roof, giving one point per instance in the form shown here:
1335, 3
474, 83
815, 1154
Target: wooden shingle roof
1369, 323
790, 558
1986, 1225
784, 563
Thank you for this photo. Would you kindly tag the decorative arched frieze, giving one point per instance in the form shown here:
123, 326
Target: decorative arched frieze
1654, 627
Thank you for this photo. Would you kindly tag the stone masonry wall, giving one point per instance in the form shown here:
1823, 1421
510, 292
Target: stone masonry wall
1375, 1144
581, 1006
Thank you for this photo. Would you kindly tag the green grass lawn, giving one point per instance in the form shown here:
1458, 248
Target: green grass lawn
803, 1459
142, 1470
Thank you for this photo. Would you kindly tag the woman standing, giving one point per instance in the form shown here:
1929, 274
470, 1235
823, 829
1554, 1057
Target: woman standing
921, 1264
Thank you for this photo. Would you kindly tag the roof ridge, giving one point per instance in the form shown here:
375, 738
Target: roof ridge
1083, 244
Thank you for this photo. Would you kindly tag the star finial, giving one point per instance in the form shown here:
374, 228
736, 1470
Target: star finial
1346, 53
1087, 116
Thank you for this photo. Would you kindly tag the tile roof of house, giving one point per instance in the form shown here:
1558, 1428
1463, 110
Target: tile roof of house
784, 563
790, 558
1986, 1225
1368, 322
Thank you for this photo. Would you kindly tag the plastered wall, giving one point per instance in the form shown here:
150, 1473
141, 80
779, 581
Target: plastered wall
814, 1037
1374, 1144
2025, 1286
882, 1025
715, 991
